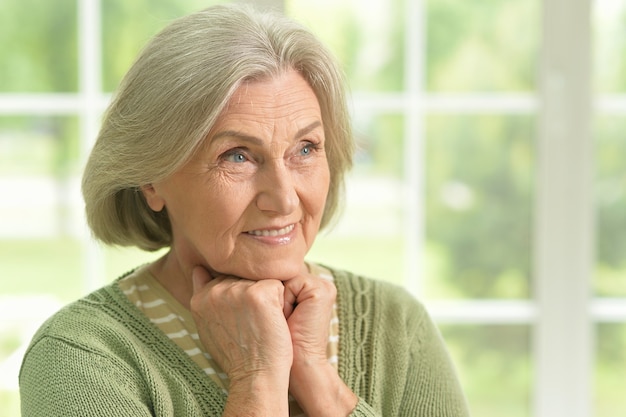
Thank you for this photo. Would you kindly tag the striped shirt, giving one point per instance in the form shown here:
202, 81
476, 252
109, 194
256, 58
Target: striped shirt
173, 319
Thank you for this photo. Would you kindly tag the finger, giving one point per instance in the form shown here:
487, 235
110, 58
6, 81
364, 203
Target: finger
289, 298
199, 277
288, 308
304, 289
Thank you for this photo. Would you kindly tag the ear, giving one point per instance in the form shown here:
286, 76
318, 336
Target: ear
153, 198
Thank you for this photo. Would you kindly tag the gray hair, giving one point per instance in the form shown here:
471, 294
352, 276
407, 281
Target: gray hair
171, 97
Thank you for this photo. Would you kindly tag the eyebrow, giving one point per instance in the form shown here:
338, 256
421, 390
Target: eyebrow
257, 141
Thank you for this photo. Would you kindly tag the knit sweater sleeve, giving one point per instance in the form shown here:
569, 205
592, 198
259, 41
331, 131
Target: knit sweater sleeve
100, 357
60, 378
432, 387
392, 354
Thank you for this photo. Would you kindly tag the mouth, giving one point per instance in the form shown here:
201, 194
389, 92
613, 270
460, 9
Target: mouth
272, 232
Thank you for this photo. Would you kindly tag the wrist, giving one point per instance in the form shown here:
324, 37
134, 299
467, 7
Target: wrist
320, 391
258, 395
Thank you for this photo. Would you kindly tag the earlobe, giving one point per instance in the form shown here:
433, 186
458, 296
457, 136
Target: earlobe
154, 200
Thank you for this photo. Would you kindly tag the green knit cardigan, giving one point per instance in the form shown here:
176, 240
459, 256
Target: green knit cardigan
100, 356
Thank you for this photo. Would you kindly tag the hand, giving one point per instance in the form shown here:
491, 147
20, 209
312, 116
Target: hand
314, 382
242, 325
308, 308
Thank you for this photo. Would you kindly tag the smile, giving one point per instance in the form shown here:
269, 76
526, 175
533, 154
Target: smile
273, 232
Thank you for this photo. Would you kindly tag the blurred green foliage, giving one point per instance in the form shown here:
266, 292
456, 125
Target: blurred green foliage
369, 41
609, 369
38, 46
610, 198
39, 145
609, 44
482, 46
479, 198
498, 368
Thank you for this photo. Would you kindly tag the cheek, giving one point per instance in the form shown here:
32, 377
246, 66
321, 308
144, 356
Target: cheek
224, 205
319, 185
200, 209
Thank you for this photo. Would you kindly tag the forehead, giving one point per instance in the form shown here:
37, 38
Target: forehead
285, 95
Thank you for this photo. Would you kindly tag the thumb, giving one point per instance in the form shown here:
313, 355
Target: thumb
199, 278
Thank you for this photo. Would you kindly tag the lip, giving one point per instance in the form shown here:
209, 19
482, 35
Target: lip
279, 235
272, 231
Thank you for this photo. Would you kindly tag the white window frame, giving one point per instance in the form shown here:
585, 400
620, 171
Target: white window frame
564, 260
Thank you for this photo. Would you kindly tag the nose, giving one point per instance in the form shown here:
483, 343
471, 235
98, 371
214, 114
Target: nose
277, 189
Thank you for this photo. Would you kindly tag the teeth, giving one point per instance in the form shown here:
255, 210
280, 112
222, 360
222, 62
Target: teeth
273, 232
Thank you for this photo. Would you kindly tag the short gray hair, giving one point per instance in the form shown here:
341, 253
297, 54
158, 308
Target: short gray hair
171, 97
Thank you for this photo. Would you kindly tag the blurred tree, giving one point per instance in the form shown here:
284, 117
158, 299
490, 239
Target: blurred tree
499, 377
39, 46
39, 55
482, 46
479, 189
609, 47
368, 41
610, 187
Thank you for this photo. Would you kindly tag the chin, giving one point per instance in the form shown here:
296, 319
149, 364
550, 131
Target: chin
277, 269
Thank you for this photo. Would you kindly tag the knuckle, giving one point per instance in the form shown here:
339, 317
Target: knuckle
328, 287
265, 292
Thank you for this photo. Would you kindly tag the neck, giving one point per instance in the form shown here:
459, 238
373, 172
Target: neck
174, 277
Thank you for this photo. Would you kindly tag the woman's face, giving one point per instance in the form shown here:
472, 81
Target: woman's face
251, 200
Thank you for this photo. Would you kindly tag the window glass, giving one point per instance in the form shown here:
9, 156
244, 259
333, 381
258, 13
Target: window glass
610, 189
609, 48
479, 188
38, 157
379, 141
39, 47
128, 25
609, 25
610, 370
478, 45
49, 265
495, 367
369, 41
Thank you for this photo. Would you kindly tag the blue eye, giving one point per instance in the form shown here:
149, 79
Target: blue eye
308, 148
235, 156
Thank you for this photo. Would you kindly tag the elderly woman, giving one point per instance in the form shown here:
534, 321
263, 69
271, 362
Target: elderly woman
227, 142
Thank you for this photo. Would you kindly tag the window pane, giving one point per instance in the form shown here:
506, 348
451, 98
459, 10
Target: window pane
610, 187
609, 27
128, 25
369, 238
380, 142
495, 367
39, 46
40, 223
478, 45
610, 370
38, 163
479, 188
368, 41
45, 265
